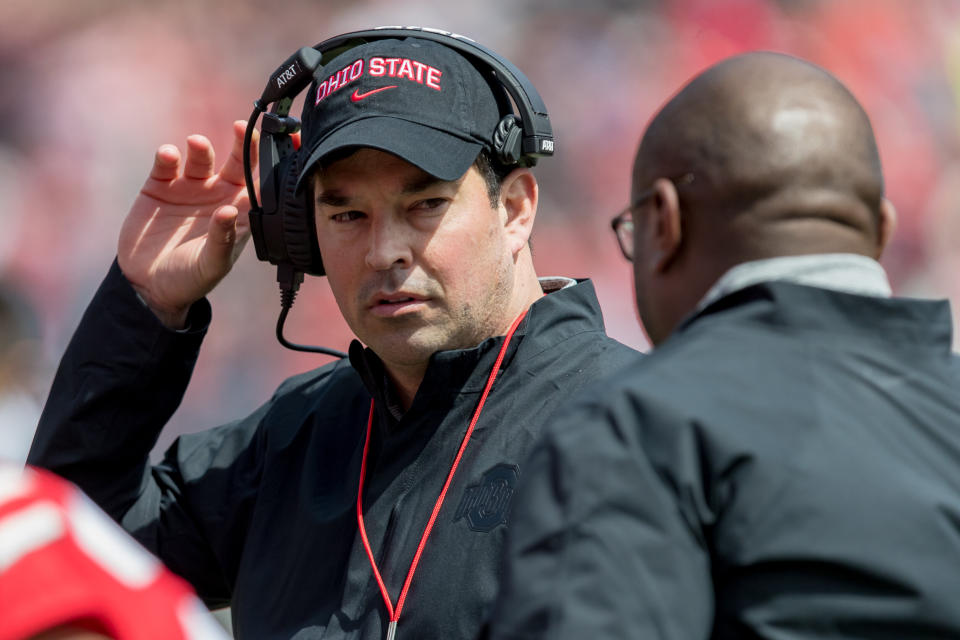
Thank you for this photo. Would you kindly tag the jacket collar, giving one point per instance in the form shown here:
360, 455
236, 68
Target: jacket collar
833, 315
839, 271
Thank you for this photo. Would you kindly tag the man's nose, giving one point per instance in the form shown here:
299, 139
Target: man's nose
389, 245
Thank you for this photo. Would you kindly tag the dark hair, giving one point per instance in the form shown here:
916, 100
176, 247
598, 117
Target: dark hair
493, 172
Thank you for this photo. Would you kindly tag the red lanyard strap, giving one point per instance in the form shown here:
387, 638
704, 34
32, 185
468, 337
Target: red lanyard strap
395, 613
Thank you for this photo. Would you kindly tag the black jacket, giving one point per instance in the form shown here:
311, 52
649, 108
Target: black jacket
786, 466
261, 513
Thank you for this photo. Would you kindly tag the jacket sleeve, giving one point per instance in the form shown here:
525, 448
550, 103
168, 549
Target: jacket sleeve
121, 378
598, 546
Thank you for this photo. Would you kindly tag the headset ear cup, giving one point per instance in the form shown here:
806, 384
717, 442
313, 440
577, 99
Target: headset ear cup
299, 226
507, 140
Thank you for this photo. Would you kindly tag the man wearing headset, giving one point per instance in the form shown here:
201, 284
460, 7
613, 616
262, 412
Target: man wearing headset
367, 498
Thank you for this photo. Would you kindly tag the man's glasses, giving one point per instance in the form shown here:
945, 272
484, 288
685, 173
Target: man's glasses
622, 223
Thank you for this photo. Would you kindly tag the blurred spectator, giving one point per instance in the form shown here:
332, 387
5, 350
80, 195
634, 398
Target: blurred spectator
69, 572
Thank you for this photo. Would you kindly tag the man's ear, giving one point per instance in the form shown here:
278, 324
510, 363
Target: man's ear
888, 224
664, 231
519, 193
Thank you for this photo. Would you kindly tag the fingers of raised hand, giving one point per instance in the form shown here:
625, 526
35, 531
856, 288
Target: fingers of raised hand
225, 240
232, 170
200, 158
223, 225
166, 163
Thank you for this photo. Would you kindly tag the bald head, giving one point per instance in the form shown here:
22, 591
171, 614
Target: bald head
783, 162
773, 136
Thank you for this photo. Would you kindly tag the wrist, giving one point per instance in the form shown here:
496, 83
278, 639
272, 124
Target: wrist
174, 319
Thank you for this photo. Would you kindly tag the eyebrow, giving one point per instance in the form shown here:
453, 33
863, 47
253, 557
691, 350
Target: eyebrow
334, 198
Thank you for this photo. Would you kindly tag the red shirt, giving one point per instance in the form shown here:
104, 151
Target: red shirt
63, 561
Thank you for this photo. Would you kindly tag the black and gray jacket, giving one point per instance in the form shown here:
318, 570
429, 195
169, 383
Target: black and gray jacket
261, 513
785, 465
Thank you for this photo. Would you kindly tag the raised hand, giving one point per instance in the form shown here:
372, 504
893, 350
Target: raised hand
187, 226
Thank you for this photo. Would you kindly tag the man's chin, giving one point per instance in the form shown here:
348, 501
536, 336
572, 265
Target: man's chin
408, 348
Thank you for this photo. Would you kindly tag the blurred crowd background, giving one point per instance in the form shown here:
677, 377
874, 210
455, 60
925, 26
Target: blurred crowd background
90, 88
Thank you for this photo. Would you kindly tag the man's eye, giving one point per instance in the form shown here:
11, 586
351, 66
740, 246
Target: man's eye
430, 204
347, 216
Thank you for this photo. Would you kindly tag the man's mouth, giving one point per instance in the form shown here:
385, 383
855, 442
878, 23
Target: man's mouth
393, 305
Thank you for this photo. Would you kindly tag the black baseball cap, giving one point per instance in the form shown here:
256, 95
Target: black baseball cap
414, 98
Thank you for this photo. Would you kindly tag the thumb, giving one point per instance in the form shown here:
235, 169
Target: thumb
221, 237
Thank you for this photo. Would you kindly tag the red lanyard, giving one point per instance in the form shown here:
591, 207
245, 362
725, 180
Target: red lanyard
395, 613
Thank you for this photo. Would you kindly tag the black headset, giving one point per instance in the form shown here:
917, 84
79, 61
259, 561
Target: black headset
282, 225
